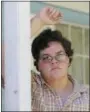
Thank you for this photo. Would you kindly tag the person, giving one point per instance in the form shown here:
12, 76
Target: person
54, 89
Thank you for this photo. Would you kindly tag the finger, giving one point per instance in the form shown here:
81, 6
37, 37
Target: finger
57, 21
55, 14
51, 9
51, 15
57, 18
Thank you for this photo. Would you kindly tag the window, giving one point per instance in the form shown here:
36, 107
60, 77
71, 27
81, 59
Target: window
79, 36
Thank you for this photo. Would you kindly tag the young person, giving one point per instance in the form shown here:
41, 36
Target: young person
54, 89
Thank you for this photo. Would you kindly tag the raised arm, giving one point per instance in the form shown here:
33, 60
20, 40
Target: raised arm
46, 16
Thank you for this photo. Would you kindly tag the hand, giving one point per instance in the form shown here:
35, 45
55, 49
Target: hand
50, 15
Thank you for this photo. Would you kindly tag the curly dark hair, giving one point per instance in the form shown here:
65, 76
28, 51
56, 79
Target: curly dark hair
47, 36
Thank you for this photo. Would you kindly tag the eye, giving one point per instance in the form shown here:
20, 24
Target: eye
45, 58
60, 57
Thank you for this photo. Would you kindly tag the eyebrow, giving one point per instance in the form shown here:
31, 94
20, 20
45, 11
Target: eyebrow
59, 52
45, 55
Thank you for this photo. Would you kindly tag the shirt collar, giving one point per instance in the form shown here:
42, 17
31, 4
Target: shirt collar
77, 87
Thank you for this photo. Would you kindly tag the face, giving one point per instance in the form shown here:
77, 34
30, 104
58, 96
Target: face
53, 63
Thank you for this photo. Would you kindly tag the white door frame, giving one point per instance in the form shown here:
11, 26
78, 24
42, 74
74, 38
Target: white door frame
17, 56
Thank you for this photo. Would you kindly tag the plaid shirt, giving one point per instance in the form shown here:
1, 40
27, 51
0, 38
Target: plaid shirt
45, 99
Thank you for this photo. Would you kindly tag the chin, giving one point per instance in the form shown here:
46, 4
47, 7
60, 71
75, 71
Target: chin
56, 75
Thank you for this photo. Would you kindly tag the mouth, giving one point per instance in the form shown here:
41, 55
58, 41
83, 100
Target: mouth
56, 68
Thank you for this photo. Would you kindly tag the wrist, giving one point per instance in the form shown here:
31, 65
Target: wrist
42, 23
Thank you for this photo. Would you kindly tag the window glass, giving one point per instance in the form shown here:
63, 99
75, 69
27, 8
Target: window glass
86, 41
63, 28
87, 70
76, 37
77, 68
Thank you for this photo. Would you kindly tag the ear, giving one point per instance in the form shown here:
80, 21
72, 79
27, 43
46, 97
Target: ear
38, 66
69, 62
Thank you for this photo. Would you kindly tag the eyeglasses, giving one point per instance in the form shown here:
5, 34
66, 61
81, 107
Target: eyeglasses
48, 59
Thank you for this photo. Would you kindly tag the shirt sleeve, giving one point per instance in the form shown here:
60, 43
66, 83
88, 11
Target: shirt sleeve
34, 82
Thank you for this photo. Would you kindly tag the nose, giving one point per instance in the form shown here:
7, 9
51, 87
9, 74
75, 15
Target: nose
54, 61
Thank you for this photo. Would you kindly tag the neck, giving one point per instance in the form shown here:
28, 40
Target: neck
61, 85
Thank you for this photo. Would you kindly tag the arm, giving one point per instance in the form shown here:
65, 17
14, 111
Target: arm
47, 16
36, 25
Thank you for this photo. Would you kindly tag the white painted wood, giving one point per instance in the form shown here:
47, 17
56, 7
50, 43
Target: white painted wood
75, 5
11, 62
24, 56
17, 56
